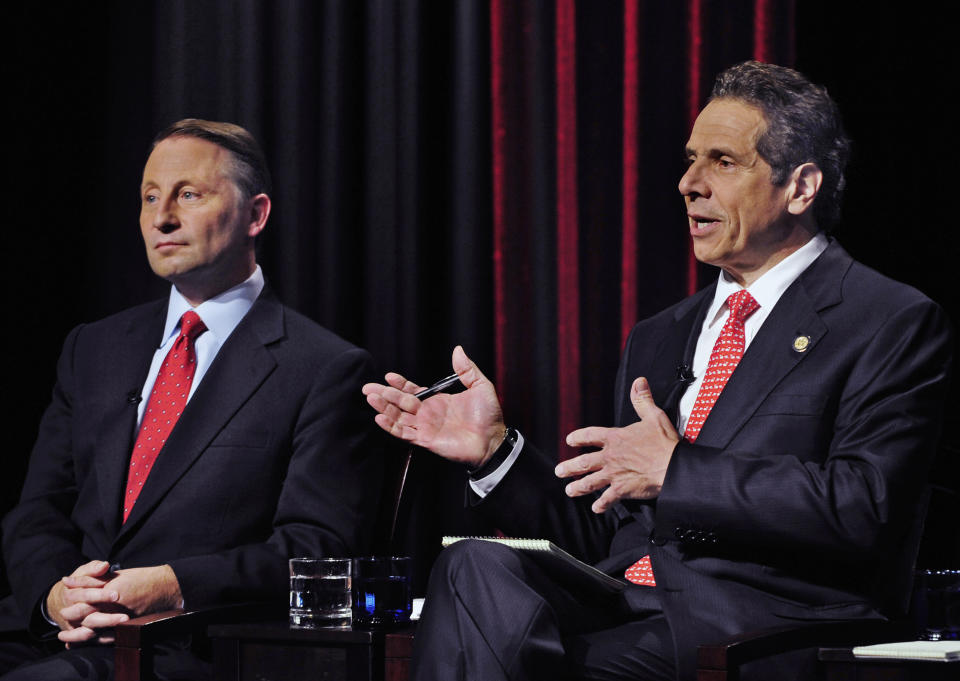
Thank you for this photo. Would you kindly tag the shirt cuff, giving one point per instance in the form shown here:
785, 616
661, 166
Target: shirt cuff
46, 615
483, 486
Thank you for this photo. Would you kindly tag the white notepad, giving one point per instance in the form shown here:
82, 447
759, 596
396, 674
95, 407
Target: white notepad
937, 651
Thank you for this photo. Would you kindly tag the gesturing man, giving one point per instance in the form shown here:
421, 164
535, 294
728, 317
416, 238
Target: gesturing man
771, 443
193, 444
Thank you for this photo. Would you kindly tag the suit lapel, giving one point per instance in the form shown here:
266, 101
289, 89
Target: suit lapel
772, 354
240, 367
129, 365
675, 348
687, 331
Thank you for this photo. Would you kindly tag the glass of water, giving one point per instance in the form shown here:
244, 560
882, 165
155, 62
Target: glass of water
381, 591
320, 593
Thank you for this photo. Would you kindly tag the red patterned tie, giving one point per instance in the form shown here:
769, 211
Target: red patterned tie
167, 400
725, 357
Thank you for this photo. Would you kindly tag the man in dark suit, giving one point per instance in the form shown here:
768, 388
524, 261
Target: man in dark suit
771, 443
270, 458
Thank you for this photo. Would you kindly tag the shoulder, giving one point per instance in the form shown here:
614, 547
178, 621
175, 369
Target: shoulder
133, 315
859, 292
683, 311
299, 342
116, 330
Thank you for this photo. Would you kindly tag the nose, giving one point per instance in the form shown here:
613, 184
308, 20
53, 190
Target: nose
165, 217
692, 182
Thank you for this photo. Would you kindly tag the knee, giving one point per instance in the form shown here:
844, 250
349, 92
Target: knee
468, 563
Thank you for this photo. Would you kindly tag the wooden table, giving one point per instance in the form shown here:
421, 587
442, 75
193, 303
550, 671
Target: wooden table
272, 651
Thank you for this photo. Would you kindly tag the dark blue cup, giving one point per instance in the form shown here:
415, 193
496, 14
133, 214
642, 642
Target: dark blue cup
381, 591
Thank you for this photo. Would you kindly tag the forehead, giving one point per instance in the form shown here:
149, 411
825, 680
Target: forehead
186, 158
727, 124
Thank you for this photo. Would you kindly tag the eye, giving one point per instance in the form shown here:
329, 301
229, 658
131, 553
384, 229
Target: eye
725, 163
149, 198
188, 195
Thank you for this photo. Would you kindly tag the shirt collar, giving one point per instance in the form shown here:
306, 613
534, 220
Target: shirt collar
770, 286
220, 314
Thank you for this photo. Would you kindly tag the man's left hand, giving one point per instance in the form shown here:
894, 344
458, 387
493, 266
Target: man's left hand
632, 461
139, 591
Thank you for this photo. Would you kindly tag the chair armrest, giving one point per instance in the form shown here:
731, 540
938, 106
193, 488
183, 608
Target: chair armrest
722, 660
134, 638
148, 629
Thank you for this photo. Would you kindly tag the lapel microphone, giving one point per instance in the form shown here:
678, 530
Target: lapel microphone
685, 374
133, 397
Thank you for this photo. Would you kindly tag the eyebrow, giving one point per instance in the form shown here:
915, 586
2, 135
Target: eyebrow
715, 152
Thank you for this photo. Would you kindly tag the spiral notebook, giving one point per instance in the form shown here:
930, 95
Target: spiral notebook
556, 562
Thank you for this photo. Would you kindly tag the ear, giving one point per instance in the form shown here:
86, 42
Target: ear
804, 185
259, 207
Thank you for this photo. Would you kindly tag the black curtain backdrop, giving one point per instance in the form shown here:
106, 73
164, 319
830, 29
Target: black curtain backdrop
404, 218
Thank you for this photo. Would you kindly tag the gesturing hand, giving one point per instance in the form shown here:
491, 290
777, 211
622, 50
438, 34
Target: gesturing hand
466, 427
632, 461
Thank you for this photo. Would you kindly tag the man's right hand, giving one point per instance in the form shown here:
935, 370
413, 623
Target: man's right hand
83, 609
466, 427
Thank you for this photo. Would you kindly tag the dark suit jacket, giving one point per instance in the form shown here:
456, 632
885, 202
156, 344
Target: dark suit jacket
270, 459
799, 500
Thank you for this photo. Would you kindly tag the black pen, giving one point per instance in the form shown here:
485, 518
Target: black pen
440, 385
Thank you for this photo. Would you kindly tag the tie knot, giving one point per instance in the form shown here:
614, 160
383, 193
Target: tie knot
742, 305
191, 325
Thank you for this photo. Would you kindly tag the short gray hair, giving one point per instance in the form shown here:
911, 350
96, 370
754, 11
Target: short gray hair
803, 126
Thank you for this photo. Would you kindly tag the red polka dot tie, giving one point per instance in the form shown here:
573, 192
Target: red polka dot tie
641, 572
167, 400
725, 357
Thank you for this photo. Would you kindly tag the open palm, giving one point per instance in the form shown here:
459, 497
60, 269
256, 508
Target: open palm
466, 427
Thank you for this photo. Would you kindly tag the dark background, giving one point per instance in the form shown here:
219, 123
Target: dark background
376, 119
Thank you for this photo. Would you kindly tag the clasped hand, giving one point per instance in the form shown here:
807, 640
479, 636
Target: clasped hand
631, 462
92, 600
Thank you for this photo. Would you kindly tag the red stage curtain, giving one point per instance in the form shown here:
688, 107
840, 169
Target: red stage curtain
590, 104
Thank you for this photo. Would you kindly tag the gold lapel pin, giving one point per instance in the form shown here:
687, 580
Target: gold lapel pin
801, 343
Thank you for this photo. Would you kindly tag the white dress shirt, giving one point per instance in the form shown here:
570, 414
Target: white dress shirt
220, 314
766, 291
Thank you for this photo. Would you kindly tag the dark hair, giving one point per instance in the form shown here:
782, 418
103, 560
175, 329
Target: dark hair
803, 125
249, 171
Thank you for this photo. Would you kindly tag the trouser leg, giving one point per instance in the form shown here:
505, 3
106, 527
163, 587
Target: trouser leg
491, 614
94, 663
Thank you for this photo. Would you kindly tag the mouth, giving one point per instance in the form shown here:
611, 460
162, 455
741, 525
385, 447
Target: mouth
702, 224
164, 246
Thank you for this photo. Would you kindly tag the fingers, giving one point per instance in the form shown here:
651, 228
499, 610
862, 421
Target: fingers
77, 635
579, 465
588, 484
592, 436
85, 581
470, 374
395, 428
606, 500
84, 602
647, 409
87, 574
104, 620
642, 398
402, 384
96, 627
394, 382
391, 401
